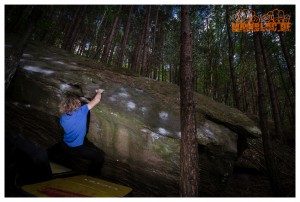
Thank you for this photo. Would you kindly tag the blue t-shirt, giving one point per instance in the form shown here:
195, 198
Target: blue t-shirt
74, 125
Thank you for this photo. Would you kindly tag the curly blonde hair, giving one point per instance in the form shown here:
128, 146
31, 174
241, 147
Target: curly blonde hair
70, 104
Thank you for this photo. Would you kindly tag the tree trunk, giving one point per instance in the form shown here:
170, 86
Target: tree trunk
137, 53
209, 58
244, 94
97, 54
189, 146
109, 39
155, 72
158, 72
231, 63
262, 106
15, 14
70, 29
195, 74
254, 94
12, 58
83, 41
146, 44
119, 62
163, 74
52, 36
273, 95
111, 53
289, 62
152, 62
21, 22
152, 58
75, 31
170, 73
99, 38
286, 90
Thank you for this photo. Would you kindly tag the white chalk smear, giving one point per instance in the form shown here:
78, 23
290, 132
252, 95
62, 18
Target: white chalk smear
143, 109
26, 55
38, 70
112, 98
154, 136
58, 62
46, 58
130, 105
163, 115
163, 131
64, 86
124, 95
208, 132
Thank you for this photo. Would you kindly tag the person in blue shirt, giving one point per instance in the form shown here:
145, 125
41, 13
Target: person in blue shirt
74, 122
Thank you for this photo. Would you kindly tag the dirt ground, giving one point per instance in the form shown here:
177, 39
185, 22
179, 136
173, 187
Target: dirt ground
243, 184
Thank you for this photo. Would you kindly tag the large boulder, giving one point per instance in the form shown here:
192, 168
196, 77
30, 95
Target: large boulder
136, 124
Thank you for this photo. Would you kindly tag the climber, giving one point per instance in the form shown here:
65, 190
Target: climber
74, 122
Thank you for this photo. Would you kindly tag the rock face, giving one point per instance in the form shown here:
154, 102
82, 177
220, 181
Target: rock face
136, 124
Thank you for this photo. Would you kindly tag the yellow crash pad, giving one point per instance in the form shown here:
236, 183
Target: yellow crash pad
77, 186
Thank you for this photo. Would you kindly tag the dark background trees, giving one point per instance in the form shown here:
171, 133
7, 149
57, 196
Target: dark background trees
145, 40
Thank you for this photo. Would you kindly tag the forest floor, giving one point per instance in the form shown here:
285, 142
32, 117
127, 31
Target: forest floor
245, 184
249, 178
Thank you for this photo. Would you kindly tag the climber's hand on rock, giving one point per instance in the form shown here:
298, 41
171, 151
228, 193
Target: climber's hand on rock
99, 91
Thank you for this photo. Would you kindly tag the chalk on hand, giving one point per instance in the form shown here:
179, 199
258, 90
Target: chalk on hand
99, 90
